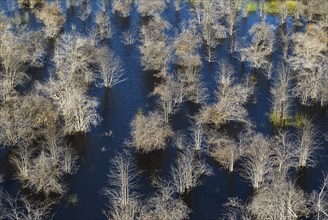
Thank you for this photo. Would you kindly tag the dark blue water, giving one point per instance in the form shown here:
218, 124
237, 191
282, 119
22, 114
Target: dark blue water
119, 105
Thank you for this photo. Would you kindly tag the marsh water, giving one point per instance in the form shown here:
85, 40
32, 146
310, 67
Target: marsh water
119, 105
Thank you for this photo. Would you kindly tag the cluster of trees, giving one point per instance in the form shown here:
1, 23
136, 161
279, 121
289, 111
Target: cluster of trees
266, 162
36, 119
125, 203
281, 199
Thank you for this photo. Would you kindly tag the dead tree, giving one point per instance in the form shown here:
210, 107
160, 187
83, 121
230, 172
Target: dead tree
123, 7
149, 132
319, 200
52, 18
224, 150
187, 171
128, 38
281, 97
308, 144
110, 68
285, 43
257, 162
279, 200
104, 26
283, 11
191, 86
43, 169
299, 10
231, 98
235, 209
85, 9
165, 205
155, 51
185, 47
25, 119
230, 9
123, 201
18, 50
198, 135
258, 52
25, 208
73, 58
284, 153
150, 8
208, 16
169, 98
79, 112
307, 61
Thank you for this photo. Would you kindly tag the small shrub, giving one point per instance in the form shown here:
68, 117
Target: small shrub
72, 199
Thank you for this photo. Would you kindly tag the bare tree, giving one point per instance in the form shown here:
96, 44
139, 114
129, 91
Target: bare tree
231, 12
73, 58
155, 52
284, 152
261, 48
43, 169
85, 9
191, 86
307, 61
225, 150
280, 200
257, 162
4, 24
122, 6
25, 208
15, 127
284, 39
316, 9
319, 200
149, 132
281, 97
187, 171
110, 68
185, 48
165, 205
128, 38
308, 144
79, 112
198, 134
236, 210
104, 26
150, 8
24, 120
208, 16
299, 11
52, 18
283, 11
18, 50
169, 97
231, 98
123, 201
